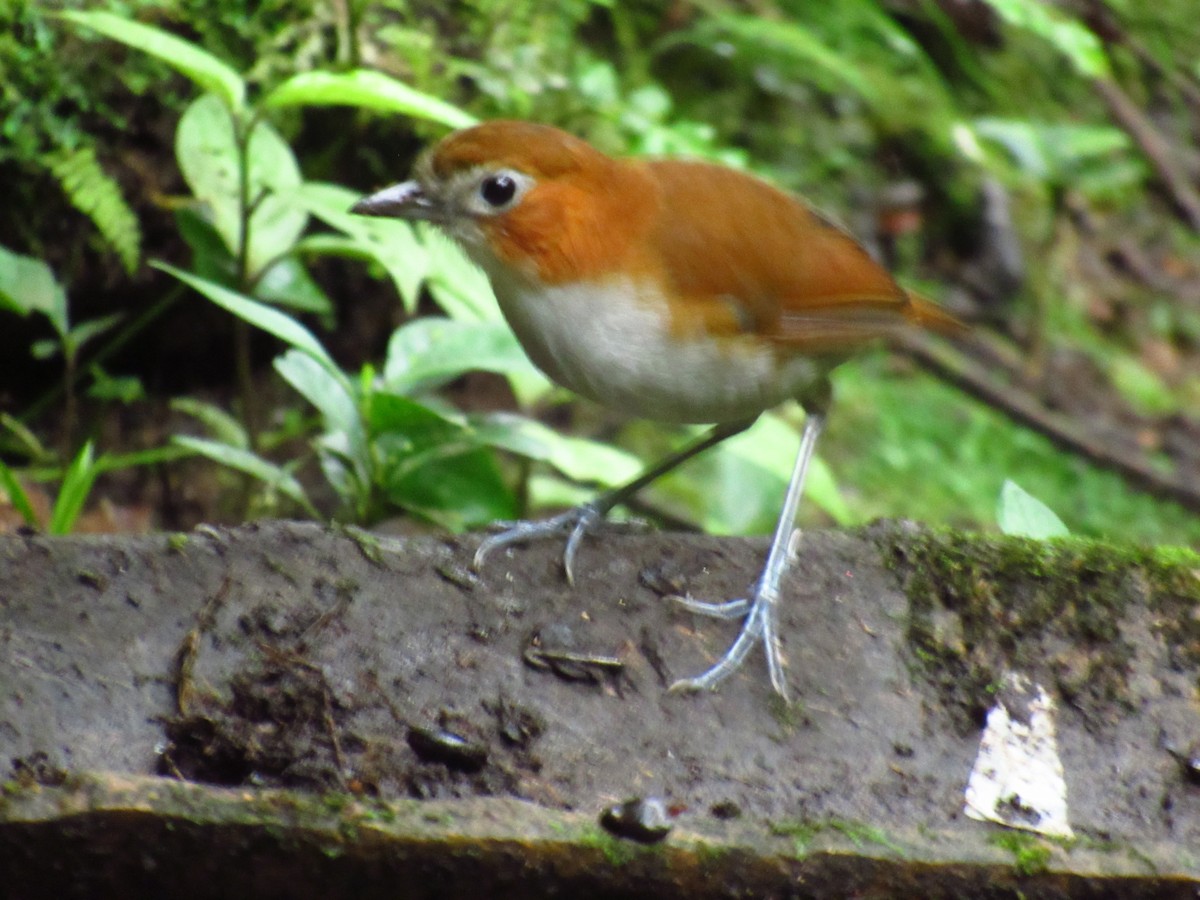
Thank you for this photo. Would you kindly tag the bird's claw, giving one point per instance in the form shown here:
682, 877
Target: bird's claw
574, 523
758, 624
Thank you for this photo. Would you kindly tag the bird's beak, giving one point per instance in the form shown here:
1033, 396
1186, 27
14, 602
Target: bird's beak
407, 200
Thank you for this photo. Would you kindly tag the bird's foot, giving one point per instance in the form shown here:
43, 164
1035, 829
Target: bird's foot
574, 524
758, 614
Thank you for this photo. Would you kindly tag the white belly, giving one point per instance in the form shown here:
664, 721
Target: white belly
603, 342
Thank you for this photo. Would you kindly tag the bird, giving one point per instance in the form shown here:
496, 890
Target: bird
681, 291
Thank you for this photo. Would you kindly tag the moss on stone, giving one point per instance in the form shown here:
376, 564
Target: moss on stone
980, 604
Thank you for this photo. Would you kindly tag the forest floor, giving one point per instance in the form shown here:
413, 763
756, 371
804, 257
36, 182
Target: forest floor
339, 663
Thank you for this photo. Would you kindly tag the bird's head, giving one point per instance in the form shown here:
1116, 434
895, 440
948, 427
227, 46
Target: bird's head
518, 195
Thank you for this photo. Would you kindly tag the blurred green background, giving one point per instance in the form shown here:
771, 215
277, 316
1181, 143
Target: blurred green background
194, 330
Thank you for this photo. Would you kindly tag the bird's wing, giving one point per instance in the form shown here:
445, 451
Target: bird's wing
754, 259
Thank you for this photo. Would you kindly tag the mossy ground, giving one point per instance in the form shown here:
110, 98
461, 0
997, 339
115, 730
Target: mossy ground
982, 604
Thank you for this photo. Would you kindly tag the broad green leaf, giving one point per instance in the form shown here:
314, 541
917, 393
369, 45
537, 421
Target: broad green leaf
286, 282
28, 285
430, 351
406, 434
577, 458
17, 496
329, 391
207, 148
1057, 152
46, 348
199, 65
346, 455
1020, 514
73, 492
431, 462
458, 491
252, 464
1071, 38
211, 259
261, 316
367, 89
390, 242
328, 243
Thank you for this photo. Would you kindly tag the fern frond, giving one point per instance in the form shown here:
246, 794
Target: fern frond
98, 196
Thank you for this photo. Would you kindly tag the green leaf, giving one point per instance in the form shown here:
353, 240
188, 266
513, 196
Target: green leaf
431, 462
199, 65
805, 48
578, 458
458, 491
286, 282
211, 259
28, 285
252, 464
206, 145
390, 242
224, 427
1071, 38
28, 441
1020, 514
347, 458
1061, 153
85, 331
17, 495
261, 316
401, 428
330, 392
737, 487
73, 492
125, 389
153, 456
368, 89
430, 351
1142, 387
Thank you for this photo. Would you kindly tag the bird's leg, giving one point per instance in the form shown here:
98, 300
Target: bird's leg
575, 522
759, 611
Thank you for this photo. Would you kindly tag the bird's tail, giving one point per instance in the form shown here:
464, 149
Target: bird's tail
926, 314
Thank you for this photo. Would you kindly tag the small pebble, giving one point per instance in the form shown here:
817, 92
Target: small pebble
644, 820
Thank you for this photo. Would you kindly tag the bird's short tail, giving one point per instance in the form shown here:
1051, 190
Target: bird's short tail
926, 314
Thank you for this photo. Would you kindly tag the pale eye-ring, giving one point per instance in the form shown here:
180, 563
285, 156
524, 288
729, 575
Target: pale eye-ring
498, 190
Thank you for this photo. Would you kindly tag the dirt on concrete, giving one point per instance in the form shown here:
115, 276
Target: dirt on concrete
285, 655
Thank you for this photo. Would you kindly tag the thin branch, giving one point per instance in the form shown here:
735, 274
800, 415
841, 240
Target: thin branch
1022, 406
1154, 146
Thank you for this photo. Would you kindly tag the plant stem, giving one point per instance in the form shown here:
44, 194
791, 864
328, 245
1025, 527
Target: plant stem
243, 366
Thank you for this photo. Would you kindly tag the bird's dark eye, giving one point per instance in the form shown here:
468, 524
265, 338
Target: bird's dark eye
498, 189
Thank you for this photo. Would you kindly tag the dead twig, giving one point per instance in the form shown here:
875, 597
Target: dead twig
1153, 146
1022, 406
189, 649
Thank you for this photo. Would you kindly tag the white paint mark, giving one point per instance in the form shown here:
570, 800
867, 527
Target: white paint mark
1017, 779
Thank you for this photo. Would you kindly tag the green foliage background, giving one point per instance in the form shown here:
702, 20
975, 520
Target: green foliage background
835, 101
